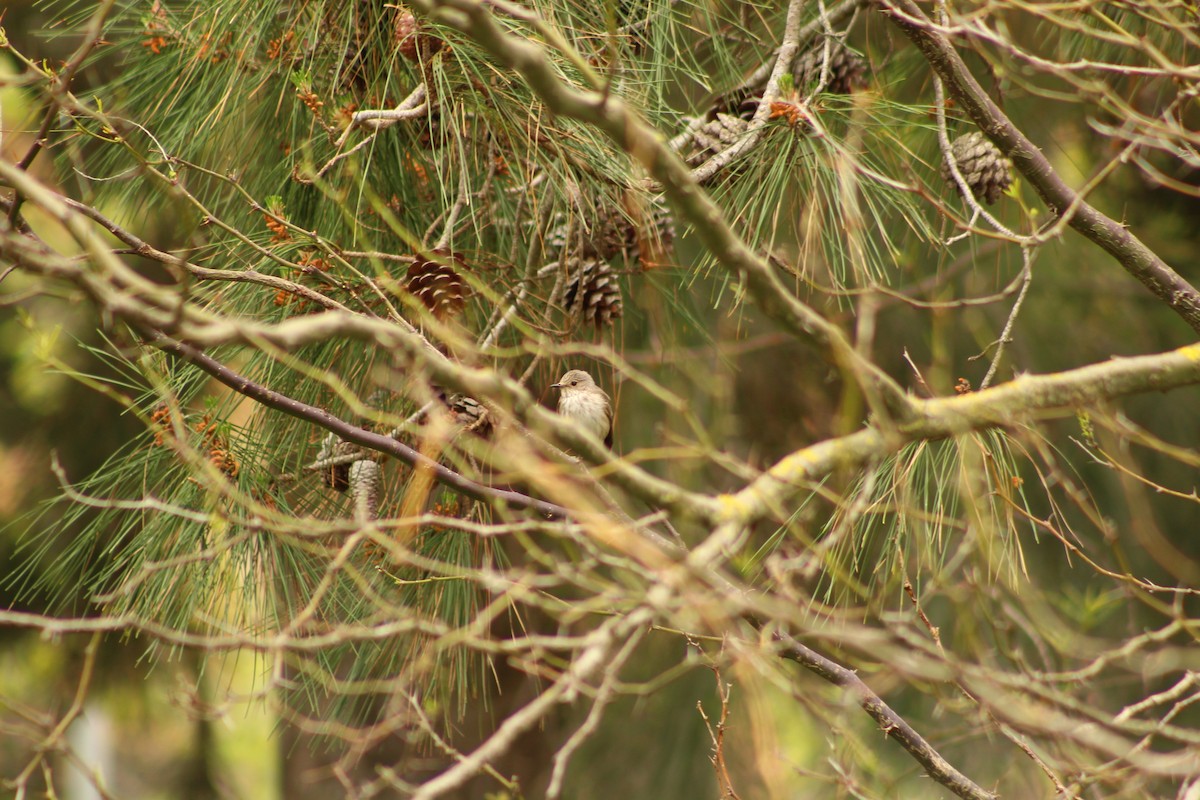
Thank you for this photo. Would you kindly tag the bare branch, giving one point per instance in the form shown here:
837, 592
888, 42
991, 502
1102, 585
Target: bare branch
892, 724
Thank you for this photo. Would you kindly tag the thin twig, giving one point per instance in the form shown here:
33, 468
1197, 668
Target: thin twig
788, 49
1027, 255
60, 85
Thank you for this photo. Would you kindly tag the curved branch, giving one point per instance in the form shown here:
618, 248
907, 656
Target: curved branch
1113, 237
756, 80
785, 56
142, 248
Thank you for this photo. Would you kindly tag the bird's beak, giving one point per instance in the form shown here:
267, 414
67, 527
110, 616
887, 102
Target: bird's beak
556, 386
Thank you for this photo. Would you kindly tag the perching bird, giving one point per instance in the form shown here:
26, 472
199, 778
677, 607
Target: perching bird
580, 399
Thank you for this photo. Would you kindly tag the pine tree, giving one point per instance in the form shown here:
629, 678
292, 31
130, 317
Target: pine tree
340, 249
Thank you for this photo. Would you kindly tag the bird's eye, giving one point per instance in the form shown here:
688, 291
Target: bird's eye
574, 383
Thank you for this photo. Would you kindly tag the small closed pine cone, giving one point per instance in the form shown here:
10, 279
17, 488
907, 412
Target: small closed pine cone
593, 293
558, 237
613, 236
438, 285
569, 238
987, 172
656, 241
466, 412
846, 70
646, 240
716, 135
335, 476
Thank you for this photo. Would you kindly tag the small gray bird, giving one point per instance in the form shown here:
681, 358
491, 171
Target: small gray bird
587, 404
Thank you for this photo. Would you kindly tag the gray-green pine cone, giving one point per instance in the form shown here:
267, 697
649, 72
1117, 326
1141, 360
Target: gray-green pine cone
981, 163
364, 482
846, 70
336, 476
715, 136
593, 293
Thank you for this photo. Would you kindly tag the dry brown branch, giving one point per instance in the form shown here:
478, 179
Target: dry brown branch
717, 735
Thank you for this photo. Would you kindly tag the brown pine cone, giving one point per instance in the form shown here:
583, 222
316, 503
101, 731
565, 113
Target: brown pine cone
438, 285
412, 43
470, 414
846, 70
715, 136
987, 172
593, 293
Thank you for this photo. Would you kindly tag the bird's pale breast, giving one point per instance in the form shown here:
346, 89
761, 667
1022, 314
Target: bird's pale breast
588, 409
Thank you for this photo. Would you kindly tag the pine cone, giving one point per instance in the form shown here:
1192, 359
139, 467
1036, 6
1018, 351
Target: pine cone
655, 244
467, 412
614, 236
335, 476
470, 414
846, 70
715, 136
610, 236
644, 241
648, 242
412, 43
438, 286
565, 237
364, 482
739, 102
987, 172
593, 293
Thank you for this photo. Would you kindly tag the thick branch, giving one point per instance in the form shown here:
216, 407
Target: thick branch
1138, 259
120, 291
144, 249
1007, 404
